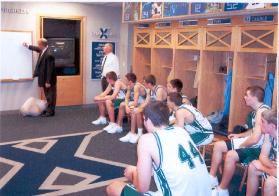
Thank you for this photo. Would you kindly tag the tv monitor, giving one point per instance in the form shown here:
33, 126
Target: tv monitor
63, 49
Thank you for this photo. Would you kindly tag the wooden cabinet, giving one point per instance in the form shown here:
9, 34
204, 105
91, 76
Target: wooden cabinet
142, 38
202, 56
189, 38
218, 39
163, 38
258, 38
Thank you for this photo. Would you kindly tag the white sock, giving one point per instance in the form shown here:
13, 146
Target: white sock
139, 131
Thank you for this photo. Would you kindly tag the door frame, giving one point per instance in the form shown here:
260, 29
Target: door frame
82, 57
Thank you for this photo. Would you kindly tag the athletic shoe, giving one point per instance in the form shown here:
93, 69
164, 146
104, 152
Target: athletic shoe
100, 121
134, 138
222, 192
126, 138
115, 129
109, 127
213, 181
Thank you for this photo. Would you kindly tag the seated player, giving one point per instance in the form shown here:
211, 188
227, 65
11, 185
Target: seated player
170, 155
244, 147
154, 92
109, 102
33, 107
173, 86
266, 166
136, 94
191, 119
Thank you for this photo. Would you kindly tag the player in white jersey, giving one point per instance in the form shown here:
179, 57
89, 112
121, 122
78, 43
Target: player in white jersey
192, 120
176, 85
170, 155
266, 166
244, 147
135, 96
110, 102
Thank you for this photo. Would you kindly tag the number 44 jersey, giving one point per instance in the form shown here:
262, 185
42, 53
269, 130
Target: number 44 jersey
182, 170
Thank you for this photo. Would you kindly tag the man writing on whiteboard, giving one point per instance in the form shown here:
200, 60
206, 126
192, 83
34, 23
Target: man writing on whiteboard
45, 71
109, 63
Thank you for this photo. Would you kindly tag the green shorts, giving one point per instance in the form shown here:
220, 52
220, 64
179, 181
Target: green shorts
247, 155
129, 190
202, 138
117, 102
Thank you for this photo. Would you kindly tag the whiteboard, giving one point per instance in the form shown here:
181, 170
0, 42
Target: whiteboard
16, 60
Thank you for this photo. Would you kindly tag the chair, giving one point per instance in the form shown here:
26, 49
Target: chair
245, 174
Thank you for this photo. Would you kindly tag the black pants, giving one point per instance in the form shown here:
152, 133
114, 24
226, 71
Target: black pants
50, 94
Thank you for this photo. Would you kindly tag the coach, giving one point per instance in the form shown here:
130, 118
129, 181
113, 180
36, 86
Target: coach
109, 63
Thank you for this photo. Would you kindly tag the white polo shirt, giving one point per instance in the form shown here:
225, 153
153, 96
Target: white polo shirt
110, 63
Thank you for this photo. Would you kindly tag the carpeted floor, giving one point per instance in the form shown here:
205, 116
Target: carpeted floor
65, 154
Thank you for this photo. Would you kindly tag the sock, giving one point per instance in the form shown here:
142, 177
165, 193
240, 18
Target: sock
139, 131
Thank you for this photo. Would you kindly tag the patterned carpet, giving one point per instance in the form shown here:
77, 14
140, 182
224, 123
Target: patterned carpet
64, 155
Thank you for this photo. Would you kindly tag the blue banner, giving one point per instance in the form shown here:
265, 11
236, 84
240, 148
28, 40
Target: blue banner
234, 6
97, 57
175, 9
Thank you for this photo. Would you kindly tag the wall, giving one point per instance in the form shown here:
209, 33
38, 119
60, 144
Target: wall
14, 94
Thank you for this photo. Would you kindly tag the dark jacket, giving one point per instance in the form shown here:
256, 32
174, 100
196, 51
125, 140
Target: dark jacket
45, 67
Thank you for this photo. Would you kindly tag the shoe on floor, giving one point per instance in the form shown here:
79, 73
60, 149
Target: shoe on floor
222, 192
100, 121
213, 181
115, 129
126, 138
134, 138
109, 127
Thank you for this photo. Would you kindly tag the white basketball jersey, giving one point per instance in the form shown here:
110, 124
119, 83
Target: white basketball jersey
182, 170
200, 123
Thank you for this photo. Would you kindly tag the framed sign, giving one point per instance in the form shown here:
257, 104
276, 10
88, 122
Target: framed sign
131, 11
260, 18
175, 9
151, 10
203, 8
97, 58
234, 6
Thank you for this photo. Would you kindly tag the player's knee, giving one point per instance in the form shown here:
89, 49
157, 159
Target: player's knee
108, 102
114, 189
270, 184
218, 146
231, 156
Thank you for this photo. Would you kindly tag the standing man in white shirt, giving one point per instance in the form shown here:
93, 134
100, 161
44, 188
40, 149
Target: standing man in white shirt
109, 63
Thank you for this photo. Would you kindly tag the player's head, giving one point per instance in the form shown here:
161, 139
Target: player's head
111, 77
155, 115
130, 79
149, 81
254, 95
174, 100
108, 48
42, 43
269, 122
175, 85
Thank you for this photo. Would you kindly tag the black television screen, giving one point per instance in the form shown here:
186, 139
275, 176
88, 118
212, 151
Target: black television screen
63, 49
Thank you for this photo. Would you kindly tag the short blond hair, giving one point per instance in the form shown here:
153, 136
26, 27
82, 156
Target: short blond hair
270, 116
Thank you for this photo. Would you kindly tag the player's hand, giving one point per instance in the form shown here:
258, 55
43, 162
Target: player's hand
128, 173
128, 110
25, 44
233, 136
47, 85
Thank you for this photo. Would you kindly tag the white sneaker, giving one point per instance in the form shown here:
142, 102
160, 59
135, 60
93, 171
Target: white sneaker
115, 129
213, 181
100, 121
109, 127
223, 192
126, 138
134, 138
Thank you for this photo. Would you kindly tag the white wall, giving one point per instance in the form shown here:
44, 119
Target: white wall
14, 94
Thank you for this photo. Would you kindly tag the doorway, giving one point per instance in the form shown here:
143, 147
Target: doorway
65, 40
